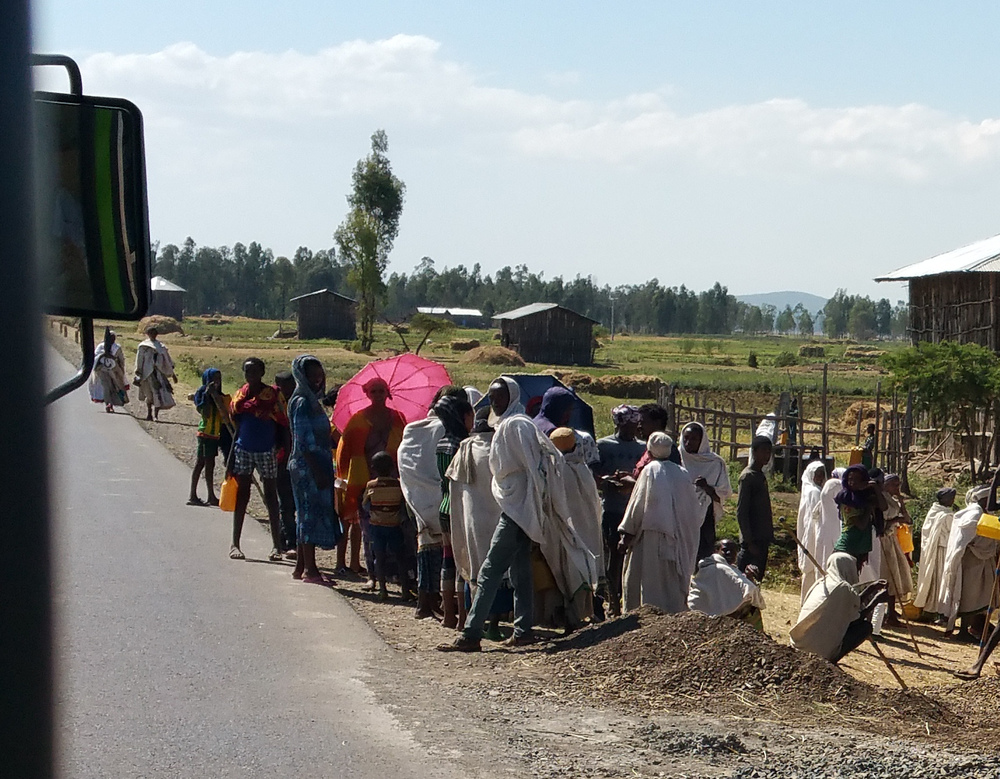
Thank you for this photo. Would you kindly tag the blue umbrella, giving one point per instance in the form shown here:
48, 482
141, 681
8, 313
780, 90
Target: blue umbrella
534, 385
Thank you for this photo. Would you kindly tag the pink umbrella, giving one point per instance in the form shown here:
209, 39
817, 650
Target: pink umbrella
412, 382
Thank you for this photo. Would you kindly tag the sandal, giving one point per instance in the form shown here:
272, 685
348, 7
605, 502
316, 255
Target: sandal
236, 554
320, 579
275, 556
196, 501
461, 644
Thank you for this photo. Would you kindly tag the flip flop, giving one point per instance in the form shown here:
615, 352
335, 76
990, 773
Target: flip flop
236, 554
321, 580
965, 675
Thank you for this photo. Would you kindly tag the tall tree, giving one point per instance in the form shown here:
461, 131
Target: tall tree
366, 235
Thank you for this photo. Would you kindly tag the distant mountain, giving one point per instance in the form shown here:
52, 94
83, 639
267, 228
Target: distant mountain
812, 303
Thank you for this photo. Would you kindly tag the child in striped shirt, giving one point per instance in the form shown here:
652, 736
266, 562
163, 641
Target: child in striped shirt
383, 500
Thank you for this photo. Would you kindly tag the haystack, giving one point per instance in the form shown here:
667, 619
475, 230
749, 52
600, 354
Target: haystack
493, 355
164, 324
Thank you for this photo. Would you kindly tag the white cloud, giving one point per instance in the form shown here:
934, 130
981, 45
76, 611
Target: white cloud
405, 80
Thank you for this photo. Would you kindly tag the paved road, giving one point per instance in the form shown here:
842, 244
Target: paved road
175, 661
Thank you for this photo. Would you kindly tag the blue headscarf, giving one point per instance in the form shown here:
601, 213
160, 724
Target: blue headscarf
555, 403
207, 378
851, 498
302, 388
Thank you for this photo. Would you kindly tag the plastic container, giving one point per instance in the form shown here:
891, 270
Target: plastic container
227, 494
989, 526
905, 535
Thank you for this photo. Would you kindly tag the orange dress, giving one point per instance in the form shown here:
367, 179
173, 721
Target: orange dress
353, 456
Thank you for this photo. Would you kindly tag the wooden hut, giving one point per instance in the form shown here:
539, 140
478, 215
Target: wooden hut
166, 298
548, 333
325, 314
463, 317
953, 296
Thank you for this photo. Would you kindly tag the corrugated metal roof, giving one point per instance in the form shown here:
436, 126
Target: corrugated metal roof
441, 311
324, 292
160, 284
979, 257
537, 308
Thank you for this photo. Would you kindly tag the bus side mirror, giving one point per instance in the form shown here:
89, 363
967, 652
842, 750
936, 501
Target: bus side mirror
92, 214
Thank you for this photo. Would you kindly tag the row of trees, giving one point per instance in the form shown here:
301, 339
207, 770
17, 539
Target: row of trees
251, 281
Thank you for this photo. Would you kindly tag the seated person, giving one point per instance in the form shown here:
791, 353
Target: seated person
836, 615
719, 588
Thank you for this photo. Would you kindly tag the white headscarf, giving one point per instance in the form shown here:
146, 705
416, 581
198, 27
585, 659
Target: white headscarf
831, 604
810, 517
659, 445
513, 407
718, 588
705, 463
473, 394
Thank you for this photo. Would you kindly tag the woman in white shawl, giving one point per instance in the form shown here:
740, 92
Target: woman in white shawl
933, 547
581, 492
660, 533
153, 372
710, 476
836, 615
474, 511
720, 589
810, 523
967, 578
108, 384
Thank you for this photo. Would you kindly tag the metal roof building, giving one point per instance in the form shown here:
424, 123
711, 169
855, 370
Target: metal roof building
166, 298
549, 334
325, 314
463, 317
953, 296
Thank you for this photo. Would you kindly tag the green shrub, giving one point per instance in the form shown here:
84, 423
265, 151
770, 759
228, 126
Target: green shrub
785, 359
752, 360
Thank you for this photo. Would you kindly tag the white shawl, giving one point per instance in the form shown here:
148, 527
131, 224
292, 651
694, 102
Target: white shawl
153, 355
810, 519
709, 465
829, 524
529, 487
474, 511
718, 588
963, 532
831, 604
933, 546
584, 504
419, 477
664, 502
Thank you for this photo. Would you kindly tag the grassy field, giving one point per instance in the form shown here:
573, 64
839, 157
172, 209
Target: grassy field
716, 366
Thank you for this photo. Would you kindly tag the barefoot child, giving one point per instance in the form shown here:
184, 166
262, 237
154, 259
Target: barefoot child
211, 403
383, 500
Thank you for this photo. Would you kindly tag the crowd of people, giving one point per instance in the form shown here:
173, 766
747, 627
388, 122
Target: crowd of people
480, 512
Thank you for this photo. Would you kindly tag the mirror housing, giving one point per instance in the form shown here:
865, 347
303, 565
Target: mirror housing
91, 206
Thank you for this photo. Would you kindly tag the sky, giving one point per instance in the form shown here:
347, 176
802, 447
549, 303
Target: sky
767, 146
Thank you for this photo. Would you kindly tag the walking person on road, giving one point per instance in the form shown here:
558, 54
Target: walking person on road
154, 371
108, 384
260, 423
310, 467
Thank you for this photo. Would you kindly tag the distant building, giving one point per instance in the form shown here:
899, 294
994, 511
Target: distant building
325, 314
548, 333
954, 296
463, 317
166, 298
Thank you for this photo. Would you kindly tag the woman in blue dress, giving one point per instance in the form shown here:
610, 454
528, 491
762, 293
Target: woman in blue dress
311, 468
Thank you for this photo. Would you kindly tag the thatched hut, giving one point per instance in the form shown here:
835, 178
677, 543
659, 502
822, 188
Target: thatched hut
548, 333
166, 298
953, 296
325, 314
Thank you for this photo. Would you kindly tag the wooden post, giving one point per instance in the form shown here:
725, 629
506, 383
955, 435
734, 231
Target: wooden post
733, 449
904, 467
825, 438
878, 412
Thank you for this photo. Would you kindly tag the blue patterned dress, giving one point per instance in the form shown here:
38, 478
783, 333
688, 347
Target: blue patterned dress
316, 520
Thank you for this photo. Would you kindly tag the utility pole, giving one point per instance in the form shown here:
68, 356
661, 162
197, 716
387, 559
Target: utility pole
612, 296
